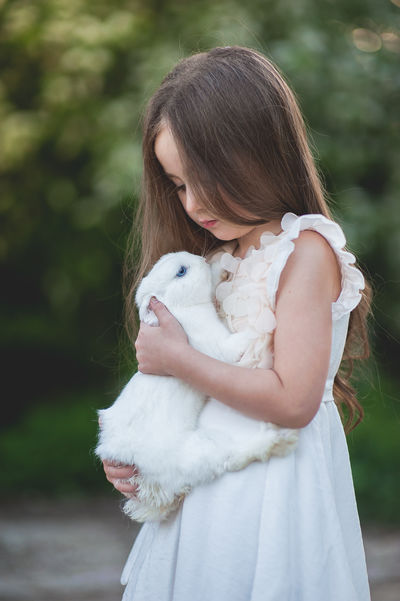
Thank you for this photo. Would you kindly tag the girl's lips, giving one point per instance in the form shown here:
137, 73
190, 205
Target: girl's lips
209, 223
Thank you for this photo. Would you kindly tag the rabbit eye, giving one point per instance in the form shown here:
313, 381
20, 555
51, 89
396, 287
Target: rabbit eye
181, 271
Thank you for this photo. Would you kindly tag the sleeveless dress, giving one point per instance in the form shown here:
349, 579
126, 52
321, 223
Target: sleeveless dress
283, 530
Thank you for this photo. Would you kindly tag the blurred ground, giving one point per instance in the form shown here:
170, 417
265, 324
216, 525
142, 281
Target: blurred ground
75, 551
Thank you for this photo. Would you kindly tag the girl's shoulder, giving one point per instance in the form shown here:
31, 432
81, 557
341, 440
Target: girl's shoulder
313, 248
312, 263
318, 245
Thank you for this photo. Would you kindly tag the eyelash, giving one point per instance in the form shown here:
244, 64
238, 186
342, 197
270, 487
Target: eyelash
180, 188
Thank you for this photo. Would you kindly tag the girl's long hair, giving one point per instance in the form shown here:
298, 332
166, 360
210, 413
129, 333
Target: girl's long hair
243, 144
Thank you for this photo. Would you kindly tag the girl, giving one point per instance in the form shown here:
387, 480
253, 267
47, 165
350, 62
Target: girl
228, 173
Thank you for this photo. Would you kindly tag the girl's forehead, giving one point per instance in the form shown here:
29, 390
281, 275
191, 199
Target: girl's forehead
167, 153
163, 140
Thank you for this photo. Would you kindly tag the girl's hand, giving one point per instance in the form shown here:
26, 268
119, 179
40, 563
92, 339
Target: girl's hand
119, 476
156, 347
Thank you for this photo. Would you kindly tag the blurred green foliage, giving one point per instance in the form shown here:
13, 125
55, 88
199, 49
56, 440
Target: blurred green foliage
374, 447
74, 79
50, 450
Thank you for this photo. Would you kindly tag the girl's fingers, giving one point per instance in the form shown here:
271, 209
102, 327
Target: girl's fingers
124, 486
119, 470
160, 310
109, 463
119, 473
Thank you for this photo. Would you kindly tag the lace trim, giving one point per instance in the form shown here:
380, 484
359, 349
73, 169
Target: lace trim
268, 261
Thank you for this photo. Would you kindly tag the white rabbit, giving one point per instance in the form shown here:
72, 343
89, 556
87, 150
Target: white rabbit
154, 421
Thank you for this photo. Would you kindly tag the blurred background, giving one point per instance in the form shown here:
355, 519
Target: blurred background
74, 79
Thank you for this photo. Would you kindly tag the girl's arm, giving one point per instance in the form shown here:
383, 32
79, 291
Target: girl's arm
290, 393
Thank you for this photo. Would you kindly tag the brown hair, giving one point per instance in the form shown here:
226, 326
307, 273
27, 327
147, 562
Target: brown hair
243, 144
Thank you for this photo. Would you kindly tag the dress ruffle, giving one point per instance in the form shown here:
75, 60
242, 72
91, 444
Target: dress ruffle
263, 267
242, 301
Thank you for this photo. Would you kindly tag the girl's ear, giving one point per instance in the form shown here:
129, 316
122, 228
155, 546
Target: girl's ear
145, 314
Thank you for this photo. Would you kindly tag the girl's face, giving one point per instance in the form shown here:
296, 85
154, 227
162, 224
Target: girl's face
168, 156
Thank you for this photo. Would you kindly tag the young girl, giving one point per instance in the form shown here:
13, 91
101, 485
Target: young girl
228, 173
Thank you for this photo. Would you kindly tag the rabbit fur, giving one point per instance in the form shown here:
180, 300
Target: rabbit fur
154, 421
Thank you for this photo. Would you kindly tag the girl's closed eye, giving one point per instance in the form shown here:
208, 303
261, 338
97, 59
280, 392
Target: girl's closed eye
181, 188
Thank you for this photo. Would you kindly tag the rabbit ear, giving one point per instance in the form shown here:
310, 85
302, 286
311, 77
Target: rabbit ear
145, 314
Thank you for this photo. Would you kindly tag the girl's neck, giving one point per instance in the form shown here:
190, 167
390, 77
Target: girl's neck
252, 238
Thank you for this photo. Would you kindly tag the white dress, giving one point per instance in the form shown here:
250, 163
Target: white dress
284, 530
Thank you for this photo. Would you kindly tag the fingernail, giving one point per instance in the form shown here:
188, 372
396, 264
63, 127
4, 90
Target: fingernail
154, 300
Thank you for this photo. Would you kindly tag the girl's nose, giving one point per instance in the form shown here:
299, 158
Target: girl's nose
191, 203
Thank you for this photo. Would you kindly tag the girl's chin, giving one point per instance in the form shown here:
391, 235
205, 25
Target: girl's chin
220, 230
221, 235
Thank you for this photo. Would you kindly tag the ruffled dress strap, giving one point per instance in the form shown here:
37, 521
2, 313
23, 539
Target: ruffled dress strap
352, 278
